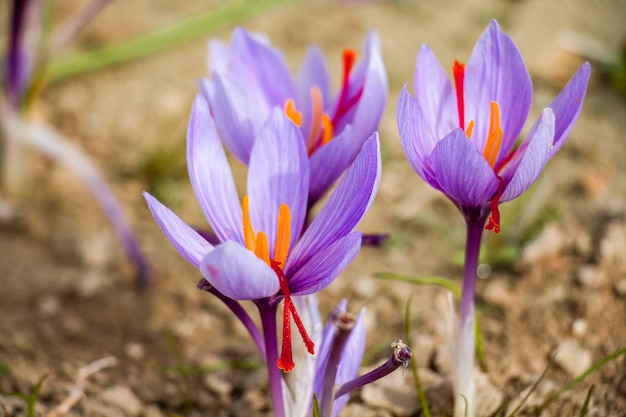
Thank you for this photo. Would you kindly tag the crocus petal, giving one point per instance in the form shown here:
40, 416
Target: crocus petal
345, 207
496, 72
218, 56
534, 157
329, 162
255, 66
278, 174
238, 273
324, 349
237, 116
567, 105
462, 172
351, 359
369, 110
417, 137
210, 174
325, 265
187, 241
435, 97
313, 73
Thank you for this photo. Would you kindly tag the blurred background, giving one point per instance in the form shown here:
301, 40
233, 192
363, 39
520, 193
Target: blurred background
554, 279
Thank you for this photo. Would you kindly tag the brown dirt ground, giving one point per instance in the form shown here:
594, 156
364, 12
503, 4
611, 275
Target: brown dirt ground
557, 271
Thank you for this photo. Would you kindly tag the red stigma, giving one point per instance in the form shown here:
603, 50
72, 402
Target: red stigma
458, 70
345, 103
493, 223
285, 360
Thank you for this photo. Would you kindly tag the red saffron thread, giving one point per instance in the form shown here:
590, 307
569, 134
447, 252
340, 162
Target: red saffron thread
458, 69
493, 222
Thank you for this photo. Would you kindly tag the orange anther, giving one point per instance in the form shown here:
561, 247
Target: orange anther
248, 232
292, 113
283, 235
494, 137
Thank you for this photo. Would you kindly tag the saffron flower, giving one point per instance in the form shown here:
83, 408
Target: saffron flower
249, 78
264, 254
463, 141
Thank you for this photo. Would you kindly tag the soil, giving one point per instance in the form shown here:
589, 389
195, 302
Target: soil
554, 293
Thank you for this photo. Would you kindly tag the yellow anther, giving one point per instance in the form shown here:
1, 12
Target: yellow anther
328, 129
248, 232
292, 113
469, 129
494, 137
283, 235
262, 248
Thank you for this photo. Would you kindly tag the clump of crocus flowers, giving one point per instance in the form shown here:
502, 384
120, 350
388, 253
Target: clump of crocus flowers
298, 140
462, 139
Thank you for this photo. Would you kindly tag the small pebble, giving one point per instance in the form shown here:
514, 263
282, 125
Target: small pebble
49, 306
573, 358
123, 398
579, 327
591, 276
135, 350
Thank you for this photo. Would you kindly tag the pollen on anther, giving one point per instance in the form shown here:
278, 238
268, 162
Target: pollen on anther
292, 113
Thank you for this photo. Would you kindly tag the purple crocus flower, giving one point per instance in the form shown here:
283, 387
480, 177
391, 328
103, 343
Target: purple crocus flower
462, 140
249, 78
265, 255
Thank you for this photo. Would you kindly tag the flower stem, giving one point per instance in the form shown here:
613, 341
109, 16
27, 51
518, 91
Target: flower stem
343, 323
400, 357
464, 360
267, 310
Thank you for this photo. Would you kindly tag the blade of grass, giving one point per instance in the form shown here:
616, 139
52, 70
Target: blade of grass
534, 387
160, 40
316, 406
414, 370
585, 409
593, 368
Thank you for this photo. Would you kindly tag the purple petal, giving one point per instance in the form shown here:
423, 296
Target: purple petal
462, 171
210, 174
567, 105
237, 116
255, 67
533, 158
351, 359
238, 273
329, 162
324, 349
496, 72
345, 207
324, 266
218, 56
313, 73
187, 241
417, 137
278, 174
434, 96
371, 105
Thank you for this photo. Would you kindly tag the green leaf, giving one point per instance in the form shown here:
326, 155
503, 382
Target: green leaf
418, 383
193, 27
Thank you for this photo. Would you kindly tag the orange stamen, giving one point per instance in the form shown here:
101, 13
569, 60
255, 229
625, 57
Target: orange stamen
316, 119
248, 232
458, 70
470, 128
328, 129
262, 247
283, 235
494, 138
292, 113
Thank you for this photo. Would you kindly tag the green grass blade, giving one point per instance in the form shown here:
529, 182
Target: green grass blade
593, 368
585, 409
226, 15
316, 406
438, 281
418, 383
